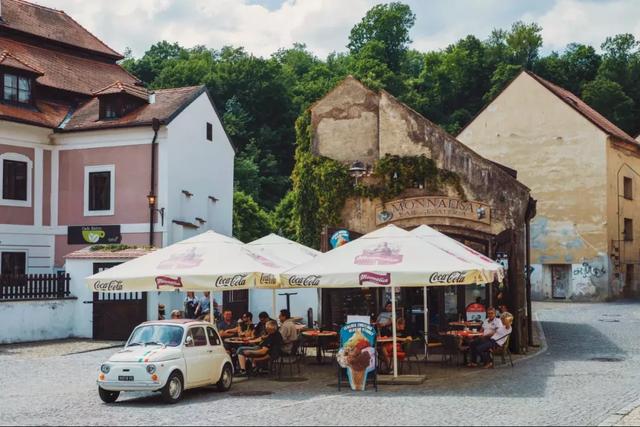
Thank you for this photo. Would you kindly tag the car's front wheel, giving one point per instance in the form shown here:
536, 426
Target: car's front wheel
172, 391
226, 378
108, 396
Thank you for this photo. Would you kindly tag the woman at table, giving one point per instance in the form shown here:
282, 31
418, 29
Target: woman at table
482, 349
387, 348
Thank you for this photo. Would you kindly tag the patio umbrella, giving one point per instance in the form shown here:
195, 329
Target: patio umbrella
283, 251
447, 244
388, 257
207, 262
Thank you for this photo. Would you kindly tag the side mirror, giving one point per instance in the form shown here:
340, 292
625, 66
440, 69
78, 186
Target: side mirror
188, 342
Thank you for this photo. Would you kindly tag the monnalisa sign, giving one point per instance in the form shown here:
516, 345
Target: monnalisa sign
433, 206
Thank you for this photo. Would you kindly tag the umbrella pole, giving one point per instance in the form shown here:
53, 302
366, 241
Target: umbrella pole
426, 323
393, 327
273, 303
211, 311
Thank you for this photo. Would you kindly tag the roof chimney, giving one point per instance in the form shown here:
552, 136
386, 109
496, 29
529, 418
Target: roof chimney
152, 98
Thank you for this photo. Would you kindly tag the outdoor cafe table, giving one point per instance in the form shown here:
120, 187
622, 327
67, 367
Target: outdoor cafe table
463, 334
466, 324
318, 335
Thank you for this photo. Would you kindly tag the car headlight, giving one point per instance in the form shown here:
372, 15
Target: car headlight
151, 369
105, 369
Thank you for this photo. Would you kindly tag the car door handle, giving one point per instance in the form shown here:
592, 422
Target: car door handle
209, 351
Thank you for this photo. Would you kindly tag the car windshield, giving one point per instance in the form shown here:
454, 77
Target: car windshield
167, 335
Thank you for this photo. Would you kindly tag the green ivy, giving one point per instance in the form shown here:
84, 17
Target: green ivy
321, 185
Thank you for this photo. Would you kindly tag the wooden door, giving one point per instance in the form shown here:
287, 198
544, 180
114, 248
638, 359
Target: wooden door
115, 315
560, 275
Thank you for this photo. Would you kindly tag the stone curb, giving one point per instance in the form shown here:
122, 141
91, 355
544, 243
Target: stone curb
618, 415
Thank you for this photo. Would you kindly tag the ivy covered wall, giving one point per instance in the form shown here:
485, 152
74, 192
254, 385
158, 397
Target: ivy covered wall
321, 186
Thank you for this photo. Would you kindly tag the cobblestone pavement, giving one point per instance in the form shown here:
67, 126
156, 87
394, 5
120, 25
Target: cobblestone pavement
564, 385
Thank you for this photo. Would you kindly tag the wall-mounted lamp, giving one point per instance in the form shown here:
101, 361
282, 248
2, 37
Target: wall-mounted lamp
481, 213
152, 199
357, 170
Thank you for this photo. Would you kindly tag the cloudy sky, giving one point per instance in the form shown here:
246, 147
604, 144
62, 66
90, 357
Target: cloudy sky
263, 26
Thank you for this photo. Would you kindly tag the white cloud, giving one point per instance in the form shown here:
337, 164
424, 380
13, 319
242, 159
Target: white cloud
588, 22
324, 25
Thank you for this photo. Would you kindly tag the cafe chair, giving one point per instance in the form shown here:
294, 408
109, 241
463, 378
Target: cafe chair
503, 351
410, 356
289, 359
331, 347
450, 349
306, 344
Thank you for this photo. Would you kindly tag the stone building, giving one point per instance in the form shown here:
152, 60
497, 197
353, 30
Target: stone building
487, 208
585, 173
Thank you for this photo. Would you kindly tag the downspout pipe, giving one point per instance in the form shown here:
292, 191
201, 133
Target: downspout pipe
531, 212
155, 125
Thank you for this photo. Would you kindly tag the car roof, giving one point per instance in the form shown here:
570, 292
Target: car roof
183, 322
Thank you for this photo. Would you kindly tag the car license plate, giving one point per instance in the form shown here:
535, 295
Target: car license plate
125, 378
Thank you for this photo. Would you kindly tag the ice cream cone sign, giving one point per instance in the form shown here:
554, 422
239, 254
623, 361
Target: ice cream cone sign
357, 353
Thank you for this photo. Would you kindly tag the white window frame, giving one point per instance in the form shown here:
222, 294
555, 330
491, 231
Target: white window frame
112, 187
17, 158
26, 258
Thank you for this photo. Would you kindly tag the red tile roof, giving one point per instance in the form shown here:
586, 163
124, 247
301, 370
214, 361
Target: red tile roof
65, 71
168, 103
8, 60
584, 109
87, 253
25, 17
119, 87
46, 114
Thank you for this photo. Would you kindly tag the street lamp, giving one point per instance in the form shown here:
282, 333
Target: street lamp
152, 199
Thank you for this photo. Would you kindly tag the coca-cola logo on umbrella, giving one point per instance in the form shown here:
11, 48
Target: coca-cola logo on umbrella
235, 281
382, 254
310, 281
455, 277
187, 259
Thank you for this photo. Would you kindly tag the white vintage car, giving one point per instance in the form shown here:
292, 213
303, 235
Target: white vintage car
168, 356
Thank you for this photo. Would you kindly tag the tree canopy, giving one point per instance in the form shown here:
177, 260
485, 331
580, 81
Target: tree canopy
259, 98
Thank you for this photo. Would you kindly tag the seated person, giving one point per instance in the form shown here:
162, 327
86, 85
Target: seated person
384, 320
259, 330
481, 348
491, 324
387, 348
176, 314
227, 327
270, 349
288, 330
245, 325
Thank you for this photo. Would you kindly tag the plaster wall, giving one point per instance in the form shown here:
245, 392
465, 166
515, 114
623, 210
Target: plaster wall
561, 156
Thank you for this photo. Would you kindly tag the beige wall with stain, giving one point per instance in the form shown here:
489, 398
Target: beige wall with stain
561, 156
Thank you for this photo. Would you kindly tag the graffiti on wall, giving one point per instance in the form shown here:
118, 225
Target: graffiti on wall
586, 279
587, 270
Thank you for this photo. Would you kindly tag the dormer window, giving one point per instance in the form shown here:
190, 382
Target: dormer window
17, 89
119, 99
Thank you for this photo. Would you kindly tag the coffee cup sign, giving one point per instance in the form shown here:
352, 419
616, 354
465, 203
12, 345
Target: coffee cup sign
93, 236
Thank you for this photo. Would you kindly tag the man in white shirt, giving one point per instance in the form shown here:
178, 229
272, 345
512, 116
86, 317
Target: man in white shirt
491, 323
481, 348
